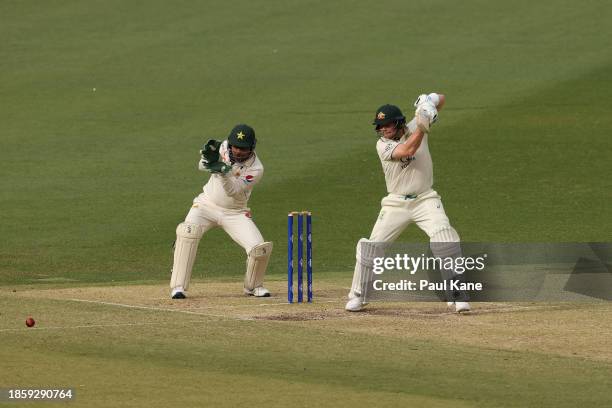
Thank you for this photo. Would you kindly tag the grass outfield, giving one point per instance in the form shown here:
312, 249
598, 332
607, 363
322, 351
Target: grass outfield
132, 346
105, 105
94, 183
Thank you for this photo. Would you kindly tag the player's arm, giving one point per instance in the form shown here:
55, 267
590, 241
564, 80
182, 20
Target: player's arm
409, 147
236, 185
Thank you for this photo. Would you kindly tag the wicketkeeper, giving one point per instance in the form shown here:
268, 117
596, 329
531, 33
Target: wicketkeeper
235, 169
404, 154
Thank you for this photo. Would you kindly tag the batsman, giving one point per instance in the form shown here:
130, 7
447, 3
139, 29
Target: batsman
406, 162
235, 169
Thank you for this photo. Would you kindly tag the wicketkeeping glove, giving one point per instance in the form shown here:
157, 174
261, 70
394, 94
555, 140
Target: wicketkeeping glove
217, 167
210, 152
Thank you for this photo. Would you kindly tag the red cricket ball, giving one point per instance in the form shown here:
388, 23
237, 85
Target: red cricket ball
30, 322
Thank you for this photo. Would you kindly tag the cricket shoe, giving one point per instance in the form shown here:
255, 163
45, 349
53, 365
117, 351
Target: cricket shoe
178, 293
259, 291
354, 305
459, 306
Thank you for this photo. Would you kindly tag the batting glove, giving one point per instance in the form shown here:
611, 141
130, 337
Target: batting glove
426, 115
432, 98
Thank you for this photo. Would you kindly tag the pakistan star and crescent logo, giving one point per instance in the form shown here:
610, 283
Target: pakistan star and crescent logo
240, 135
380, 116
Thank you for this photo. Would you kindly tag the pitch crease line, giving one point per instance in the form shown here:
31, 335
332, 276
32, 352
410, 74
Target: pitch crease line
87, 326
160, 309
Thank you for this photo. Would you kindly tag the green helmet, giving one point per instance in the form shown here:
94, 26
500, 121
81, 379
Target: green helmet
389, 114
242, 136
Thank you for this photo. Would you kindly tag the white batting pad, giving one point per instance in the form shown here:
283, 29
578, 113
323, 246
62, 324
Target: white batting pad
365, 254
445, 243
257, 263
446, 234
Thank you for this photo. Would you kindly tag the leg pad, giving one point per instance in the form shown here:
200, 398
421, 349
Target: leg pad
185, 249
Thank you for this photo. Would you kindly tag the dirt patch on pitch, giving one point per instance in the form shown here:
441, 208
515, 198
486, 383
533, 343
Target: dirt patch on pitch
437, 310
303, 316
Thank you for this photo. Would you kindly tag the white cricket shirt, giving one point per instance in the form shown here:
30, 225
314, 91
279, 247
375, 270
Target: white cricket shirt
409, 175
232, 191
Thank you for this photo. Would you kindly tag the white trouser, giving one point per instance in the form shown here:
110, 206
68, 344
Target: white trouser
237, 223
202, 217
396, 214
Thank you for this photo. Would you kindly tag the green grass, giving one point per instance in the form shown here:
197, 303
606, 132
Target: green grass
94, 182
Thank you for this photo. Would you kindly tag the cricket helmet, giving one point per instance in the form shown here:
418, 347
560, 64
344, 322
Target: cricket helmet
389, 114
242, 136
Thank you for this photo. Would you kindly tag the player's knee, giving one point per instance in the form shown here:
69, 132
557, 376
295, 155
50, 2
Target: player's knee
261, 249
368, 250
445, 234
445, 243
189, 231
250, 246
358, 249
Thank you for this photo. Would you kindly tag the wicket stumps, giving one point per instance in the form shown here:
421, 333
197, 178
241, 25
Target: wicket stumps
300, 255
